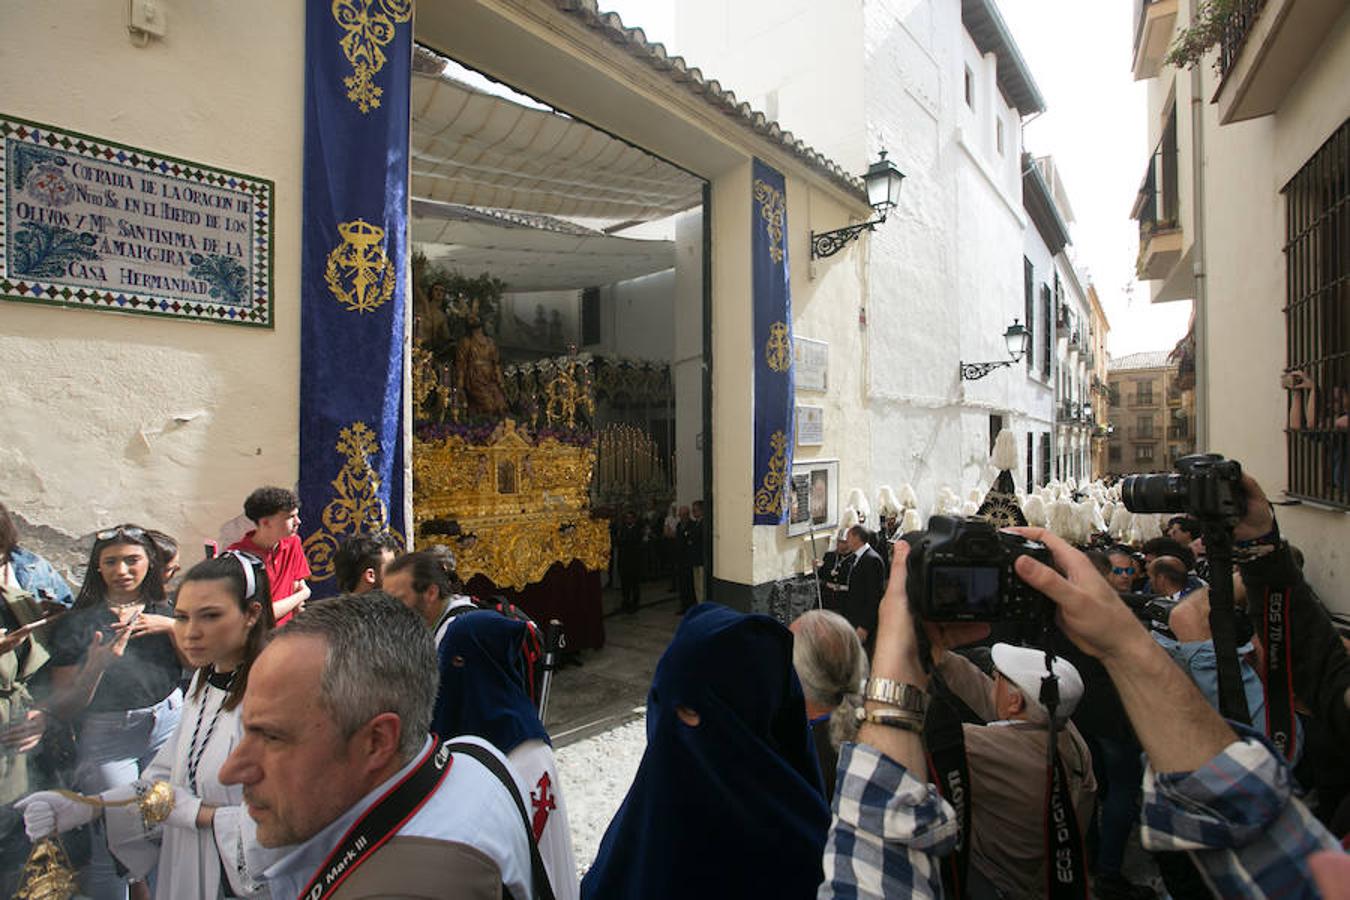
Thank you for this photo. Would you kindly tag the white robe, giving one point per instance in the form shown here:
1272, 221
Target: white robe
534, 763
190, 860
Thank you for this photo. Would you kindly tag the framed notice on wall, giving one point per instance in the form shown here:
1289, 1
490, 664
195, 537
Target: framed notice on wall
810, 426
813, 496
811, 363
91, 223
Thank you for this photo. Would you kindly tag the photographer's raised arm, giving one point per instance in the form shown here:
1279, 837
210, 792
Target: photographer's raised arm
1177, 727
1225, 798
897, 658
1321, 666
890, 825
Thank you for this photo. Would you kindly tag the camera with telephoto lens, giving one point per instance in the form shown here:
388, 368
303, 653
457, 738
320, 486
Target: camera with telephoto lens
1205, 485
961, 570
1154, 611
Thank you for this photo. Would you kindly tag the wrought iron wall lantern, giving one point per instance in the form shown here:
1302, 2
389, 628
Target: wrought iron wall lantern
882, 181
1017, 339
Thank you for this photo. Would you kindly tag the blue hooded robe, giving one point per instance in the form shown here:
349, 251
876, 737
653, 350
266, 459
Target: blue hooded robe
732, 807
482, 689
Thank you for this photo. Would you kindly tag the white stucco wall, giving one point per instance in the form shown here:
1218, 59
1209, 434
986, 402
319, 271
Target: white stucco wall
688, 363
944, 273
794, 60
638, 316
112, 418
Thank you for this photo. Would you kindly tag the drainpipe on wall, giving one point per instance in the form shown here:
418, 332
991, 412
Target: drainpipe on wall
1198, 260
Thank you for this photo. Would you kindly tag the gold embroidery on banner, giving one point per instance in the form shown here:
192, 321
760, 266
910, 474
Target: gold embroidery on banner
370, 26
769, 498
778, 348
357, 508
773, 210
359, 273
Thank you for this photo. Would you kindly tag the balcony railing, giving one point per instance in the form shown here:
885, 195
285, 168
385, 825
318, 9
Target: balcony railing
1143, 399
1135, 433
1235, 32
1178, 432
1156, 207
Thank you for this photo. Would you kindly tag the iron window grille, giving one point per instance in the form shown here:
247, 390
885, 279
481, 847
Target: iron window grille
1317, 323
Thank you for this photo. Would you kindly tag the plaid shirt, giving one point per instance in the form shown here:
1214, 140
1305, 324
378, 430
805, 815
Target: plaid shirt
889, 830
1248, 834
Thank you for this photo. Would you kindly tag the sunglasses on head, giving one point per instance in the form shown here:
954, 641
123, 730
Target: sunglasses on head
131, 532
1122, 570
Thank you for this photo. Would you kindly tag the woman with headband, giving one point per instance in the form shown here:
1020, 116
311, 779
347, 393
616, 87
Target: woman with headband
115, 675
178, 813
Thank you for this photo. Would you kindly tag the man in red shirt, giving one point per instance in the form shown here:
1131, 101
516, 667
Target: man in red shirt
276, 514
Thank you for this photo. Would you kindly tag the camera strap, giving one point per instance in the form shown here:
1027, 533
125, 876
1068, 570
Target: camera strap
1281, 722
1065, 867
945, 743
381, 822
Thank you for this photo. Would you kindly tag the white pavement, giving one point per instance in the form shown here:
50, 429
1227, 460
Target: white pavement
596, 774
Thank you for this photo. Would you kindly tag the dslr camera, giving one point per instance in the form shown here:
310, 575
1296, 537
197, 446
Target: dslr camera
961, 570
1205, 485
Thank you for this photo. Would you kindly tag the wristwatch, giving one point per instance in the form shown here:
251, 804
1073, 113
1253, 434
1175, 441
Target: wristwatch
905, 697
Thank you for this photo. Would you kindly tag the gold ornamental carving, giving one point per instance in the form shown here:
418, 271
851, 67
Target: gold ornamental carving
48, 874
521, 504
516, 554
773, 210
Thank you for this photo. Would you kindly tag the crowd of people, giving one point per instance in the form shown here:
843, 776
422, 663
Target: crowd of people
218, 733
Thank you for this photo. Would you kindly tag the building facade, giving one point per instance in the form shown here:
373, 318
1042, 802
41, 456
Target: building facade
114, 418
1243, 209
941, 85
1098, 394
1151, 415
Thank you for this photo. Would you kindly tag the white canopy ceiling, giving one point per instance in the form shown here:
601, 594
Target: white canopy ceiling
481, 150
531, 254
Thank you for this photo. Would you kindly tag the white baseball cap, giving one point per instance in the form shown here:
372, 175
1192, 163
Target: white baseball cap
1025, 667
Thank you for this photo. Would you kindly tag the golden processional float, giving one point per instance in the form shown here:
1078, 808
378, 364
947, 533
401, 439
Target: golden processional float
511, 467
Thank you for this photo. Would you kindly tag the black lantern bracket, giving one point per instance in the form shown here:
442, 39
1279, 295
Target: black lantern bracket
976, 371
1018, 340
882, 181
828, 243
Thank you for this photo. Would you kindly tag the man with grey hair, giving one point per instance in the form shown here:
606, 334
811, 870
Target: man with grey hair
831, 666
350, 796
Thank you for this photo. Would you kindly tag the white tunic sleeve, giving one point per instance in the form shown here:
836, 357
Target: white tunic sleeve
534, 763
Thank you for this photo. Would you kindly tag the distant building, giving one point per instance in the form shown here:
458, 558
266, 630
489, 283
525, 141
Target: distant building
1152, 415
1098, 393
1058, 316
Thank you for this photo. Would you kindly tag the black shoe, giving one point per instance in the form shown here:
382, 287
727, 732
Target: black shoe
1117, 887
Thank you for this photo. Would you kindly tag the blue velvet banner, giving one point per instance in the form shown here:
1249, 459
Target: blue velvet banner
772, 344
353, 280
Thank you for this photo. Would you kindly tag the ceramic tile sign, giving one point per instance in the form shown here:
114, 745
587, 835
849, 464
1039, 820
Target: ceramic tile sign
90, 223
810, 426
811, 360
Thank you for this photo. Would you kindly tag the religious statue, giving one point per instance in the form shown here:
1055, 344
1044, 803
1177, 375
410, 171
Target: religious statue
431, 326
478, 372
